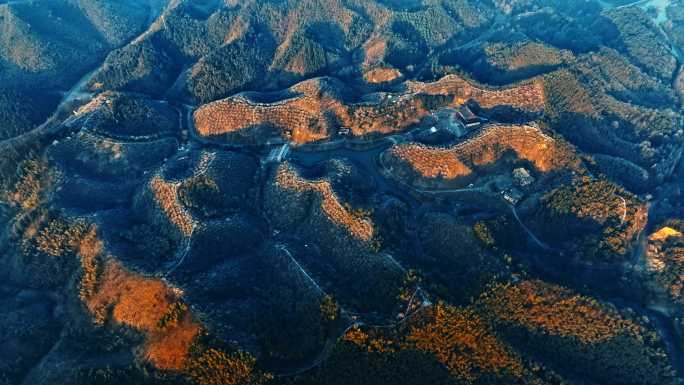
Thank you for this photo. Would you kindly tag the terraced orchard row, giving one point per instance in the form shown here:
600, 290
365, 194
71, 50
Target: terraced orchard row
322, 109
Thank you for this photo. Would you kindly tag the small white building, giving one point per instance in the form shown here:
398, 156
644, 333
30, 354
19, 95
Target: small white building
512, 196
522, 177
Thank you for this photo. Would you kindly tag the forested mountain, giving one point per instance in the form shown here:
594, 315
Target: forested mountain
287, 192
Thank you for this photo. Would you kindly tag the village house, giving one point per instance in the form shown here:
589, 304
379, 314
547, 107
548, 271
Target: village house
468, 118
512, 196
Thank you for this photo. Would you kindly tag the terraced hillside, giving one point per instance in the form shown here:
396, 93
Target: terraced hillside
341, 192
316, 110
444, 168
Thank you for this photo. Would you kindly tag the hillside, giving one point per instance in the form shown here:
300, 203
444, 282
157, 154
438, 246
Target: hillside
309, 192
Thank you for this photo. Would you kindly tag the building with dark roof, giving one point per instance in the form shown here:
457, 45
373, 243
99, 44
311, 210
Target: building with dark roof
468, 117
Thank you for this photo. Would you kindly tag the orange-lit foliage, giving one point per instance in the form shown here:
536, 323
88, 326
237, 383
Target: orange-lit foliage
664, 262
149, 305
596, 199
555, 310
141, 302
529, 97
577, 333
59, 237
456, 337
237, 114
316, 110
360, 359
48, 244
488, 147
166, 196
215, 367
463, 342
89, 252
431, 163
595, 214
381, 75
374, 50
167, 347
356, 336
34, 177
664, 234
